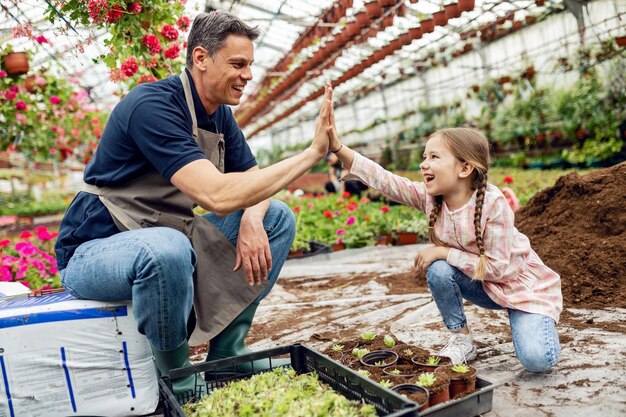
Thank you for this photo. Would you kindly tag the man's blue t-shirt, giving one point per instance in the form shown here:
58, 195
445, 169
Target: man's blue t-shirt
150, 129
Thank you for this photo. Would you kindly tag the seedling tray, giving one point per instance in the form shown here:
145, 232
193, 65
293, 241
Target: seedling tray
339, 377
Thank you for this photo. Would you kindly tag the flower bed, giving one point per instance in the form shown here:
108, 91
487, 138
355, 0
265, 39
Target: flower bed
30, 259
351, 221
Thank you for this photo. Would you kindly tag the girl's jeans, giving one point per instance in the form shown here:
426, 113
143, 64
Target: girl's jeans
153, 267
534, 335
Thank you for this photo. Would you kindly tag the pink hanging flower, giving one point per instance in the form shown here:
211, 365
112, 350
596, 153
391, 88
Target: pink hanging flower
169, 32
55, 100
183, 23
129, 66
350, 220
172, 52
134, 8
97, 10
152, 43
20, 105
41, 39
114, 14
3, 74
10, 94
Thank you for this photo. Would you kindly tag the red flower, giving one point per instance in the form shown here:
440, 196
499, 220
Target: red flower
169, 32
134, 8
4, 243
97, 10
183, 23
55, 100
129, 67
152, 42
296, 209
146, 78
26, 235
346, 194
384, 209
507, 180
41, 39
172, 52
20, 105
328, 214
114, 14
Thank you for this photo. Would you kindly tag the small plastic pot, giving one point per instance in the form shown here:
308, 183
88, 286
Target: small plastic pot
386, 357
414, 393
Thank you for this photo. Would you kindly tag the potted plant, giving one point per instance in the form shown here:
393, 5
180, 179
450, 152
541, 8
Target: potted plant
15, 63
430, 363
462, 378
403, 371
415, 393
379, 358
437, 386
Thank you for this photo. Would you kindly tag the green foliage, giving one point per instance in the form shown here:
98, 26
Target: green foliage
395, 372
433, 360
280, 392
408, 352
427, 379
389, 341
385, 383
337, 348
368, 335
461, 368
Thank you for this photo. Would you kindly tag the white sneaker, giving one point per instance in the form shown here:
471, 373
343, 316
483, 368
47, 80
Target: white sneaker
460, 349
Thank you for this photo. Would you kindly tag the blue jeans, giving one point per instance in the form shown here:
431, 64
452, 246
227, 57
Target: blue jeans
154, 267
534, 335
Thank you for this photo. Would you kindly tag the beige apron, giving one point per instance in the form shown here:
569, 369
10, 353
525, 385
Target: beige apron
219, 293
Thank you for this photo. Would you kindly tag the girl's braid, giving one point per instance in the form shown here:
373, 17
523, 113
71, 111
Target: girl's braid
433, 219
481, 186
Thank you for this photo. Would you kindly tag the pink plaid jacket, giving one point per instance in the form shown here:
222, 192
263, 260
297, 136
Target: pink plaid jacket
515, 277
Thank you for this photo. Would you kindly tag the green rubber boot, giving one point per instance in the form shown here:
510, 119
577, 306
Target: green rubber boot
190, 386
230, 342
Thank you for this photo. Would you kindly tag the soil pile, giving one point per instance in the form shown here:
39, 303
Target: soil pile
577, 228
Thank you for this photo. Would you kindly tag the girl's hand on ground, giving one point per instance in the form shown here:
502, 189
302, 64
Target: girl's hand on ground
429, 255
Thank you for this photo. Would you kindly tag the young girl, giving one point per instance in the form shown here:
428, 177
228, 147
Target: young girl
478, 254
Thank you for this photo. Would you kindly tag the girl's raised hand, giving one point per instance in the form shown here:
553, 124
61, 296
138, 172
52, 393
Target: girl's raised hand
322, 125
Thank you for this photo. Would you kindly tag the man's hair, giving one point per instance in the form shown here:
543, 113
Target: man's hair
210, 30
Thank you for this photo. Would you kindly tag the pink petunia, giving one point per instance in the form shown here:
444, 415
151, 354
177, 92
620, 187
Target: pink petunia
4, 243
25, 248
26, 235
340, 232
350, 220
41, 39
3, 74
55, 100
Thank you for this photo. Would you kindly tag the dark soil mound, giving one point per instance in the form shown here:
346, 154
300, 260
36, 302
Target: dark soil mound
577, 228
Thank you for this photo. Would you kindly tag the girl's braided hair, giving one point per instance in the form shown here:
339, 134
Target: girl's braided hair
471, 146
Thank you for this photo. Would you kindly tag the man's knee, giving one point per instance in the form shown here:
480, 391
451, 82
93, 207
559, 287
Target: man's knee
169, 250
284, 219
438, 273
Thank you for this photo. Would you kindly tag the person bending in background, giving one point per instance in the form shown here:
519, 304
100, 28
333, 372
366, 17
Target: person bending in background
476, 254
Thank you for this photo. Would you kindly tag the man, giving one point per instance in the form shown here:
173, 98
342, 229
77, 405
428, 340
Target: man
131, 232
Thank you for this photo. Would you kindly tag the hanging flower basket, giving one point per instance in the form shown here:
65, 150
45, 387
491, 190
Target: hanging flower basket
16, 63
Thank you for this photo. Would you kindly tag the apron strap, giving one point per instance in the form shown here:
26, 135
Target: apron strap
189, 98
119, 215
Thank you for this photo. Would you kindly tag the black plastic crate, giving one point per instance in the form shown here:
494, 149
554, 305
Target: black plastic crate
303, 360
341, 378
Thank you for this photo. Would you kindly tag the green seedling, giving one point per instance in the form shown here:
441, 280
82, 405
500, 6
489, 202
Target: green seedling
395, 372
364, 373
408, 352
337, 348
460, 368
386, 384
368, 335
379, 363
427, 379
362, 352
433, 360
388, 341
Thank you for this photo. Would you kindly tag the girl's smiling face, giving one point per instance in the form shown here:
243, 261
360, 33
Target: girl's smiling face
441, 170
